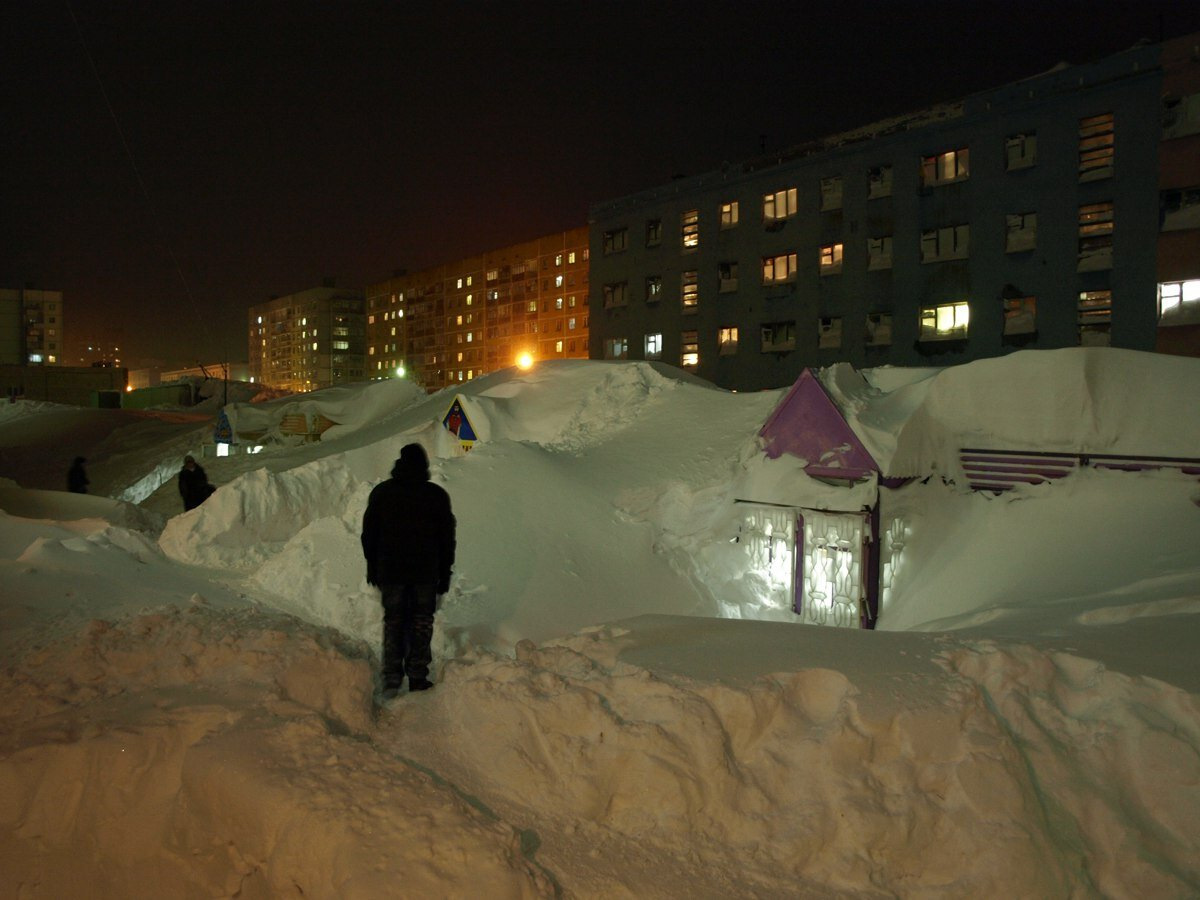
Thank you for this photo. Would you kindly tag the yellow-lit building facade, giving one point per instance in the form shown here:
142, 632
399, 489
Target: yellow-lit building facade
308, 340
452, 323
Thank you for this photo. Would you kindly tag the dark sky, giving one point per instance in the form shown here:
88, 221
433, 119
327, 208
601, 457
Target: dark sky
168, 164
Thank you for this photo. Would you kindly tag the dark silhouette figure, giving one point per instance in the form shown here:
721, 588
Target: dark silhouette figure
193, 484
77, 480
408, 539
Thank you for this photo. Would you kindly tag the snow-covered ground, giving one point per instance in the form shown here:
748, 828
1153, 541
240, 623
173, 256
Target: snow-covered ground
623, 709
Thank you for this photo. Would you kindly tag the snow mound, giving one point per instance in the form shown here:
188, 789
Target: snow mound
1076, 400
228, 760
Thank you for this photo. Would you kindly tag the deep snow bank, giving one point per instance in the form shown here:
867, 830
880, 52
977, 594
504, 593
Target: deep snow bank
186, 754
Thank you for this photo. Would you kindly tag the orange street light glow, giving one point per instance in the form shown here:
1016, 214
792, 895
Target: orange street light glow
525, 361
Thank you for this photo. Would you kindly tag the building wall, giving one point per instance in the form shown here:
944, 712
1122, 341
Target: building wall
72, 385
452, 323
32, 328
1051, 271
1179, 193
309, 340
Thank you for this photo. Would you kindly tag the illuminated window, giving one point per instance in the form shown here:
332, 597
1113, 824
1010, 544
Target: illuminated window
778, 337
941, 244
829, 333
690, 291
779, 205
653, 346
1020, 315
558, 258
571, 324
1095, 237
492, 275
778, 269
945, 322
653, 288
831, 259
727, 277
879, 253
558, 302
558, 345
459, 320
1095, 318
831, 192
615, 294
729, 214
945, 168
689, 349
1022, 232
690, 229
341, 345
879, 329
469, 279
1179, 303
727, 341
1096, 147
616, 240
653, 232
459, 284
879, 182
1020, 151
558, 281
571, 257
470, 299
616, 348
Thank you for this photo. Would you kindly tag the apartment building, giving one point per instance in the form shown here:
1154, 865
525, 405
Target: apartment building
31, 327
1036, 215
309, 340
451, 323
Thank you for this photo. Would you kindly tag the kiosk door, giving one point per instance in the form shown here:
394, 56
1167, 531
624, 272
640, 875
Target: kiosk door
830, 567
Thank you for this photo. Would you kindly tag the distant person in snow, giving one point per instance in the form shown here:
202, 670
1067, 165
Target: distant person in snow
408, 539
77, 480
193, 484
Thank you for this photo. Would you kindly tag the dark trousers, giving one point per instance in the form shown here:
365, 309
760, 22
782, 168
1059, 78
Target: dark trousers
407, 632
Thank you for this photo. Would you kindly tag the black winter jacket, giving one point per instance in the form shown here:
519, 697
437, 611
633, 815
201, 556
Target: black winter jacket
408, 531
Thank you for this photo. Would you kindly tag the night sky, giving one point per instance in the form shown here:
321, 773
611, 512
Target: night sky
168, 164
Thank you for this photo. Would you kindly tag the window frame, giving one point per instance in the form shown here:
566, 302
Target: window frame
931, 324
946, 167
788, 342
1097, 146
771, 200
791, 261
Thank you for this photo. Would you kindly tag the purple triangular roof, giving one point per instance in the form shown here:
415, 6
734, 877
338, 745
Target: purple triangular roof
808, 424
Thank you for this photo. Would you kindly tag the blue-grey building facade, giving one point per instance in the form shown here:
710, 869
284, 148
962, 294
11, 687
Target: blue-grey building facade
1021, 217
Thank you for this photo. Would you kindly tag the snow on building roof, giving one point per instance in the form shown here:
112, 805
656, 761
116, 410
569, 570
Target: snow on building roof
1076, 400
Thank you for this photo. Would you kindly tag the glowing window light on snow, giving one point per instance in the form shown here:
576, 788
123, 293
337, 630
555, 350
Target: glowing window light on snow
222, 449
769, 536
833, 567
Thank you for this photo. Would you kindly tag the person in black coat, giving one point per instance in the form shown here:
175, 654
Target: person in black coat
408, 540
77, 480
193, 484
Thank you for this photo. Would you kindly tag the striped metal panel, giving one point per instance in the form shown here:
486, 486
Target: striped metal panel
1000, 470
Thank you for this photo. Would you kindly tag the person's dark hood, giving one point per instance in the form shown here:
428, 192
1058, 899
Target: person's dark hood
413, 464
